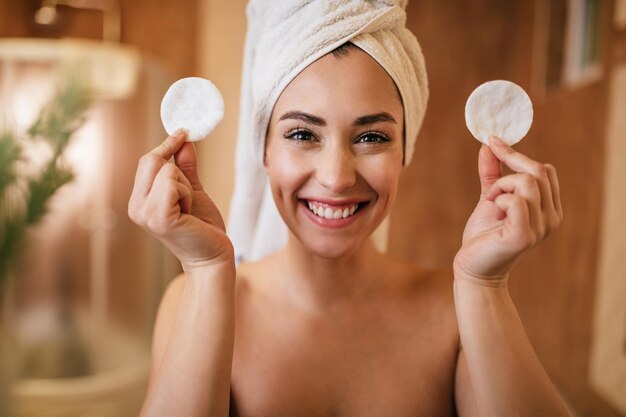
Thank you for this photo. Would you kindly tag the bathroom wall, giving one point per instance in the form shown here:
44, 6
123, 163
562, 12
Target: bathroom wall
162, 30
220, 42
607, 354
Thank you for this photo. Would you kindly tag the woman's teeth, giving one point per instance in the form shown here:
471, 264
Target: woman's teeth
328, 213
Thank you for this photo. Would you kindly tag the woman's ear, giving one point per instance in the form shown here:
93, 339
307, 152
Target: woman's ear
265, 146
265, 162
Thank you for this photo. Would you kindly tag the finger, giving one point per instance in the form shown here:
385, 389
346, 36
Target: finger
184, 197
556, 190
150, 164
147, 169
168, 193
519, 162
187, 161
171, 172
524, 185
186, 204
174, 193
517, 215
489, 169
168, 205
170, 145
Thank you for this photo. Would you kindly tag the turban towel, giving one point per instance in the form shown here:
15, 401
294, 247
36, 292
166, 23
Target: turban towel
284, 37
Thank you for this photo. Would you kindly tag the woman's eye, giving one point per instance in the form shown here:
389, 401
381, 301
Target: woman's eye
299, 135
372, 137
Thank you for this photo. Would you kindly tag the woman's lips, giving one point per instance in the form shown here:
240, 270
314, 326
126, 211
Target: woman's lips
340, 215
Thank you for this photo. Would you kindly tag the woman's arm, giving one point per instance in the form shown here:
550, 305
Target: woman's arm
193, 346
194, 334
498, 373
503, 373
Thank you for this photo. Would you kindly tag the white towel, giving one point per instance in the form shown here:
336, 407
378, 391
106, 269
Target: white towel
283, 38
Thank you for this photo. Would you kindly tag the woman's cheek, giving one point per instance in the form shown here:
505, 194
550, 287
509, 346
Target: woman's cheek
383, 175
287, 169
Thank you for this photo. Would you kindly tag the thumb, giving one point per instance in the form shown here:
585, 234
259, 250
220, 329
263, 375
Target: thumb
187, 161
489, 169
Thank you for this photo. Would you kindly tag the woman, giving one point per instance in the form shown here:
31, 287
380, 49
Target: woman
328, 325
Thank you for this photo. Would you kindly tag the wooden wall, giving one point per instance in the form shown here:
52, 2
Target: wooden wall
467, 43
162, 29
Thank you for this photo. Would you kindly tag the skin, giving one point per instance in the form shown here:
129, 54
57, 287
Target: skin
329, 326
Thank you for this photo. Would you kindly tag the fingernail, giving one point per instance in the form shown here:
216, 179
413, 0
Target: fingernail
179, 132
497, 141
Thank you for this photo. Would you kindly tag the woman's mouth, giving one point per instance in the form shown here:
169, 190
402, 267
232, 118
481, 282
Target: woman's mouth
332, 215
332, 212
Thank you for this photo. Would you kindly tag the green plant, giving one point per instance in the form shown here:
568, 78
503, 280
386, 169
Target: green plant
24, 197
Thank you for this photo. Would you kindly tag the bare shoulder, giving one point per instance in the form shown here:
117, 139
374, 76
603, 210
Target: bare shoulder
435, 284
255, 272
429, 291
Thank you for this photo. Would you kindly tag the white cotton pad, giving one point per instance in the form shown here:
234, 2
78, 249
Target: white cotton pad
499, 108
194, 104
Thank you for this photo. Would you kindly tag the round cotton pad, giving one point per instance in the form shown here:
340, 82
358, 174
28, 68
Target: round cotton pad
499, 108
194, 104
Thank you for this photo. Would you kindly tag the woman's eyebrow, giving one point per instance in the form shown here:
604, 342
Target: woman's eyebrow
300, 115
373, 118
359, 121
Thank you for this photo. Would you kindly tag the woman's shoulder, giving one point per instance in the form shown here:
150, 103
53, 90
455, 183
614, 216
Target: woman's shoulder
423, 287
249, 269
250, 272
418, 276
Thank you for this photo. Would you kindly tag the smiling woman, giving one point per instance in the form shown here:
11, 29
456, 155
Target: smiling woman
336, 154
324, 323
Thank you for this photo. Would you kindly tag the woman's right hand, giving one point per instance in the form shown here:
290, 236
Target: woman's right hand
169, 201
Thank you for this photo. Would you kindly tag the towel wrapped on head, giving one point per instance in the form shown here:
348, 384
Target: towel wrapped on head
283, 38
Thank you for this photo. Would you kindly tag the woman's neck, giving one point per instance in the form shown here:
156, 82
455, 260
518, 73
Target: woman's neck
317, 281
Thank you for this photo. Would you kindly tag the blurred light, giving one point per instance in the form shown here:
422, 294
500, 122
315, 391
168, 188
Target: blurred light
620, 15
30, 92
46, 15
84, 153
112, 69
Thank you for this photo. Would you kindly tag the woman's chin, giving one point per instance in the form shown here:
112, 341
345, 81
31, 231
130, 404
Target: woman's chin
332, 249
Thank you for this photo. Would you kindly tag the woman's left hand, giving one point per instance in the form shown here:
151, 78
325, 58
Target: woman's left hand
515, 212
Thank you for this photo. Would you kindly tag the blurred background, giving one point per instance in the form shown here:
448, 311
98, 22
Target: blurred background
80, 291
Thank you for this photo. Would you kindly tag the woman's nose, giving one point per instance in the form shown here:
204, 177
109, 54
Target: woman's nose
336, 169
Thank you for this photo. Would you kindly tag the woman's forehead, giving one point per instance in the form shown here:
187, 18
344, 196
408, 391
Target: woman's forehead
354, 83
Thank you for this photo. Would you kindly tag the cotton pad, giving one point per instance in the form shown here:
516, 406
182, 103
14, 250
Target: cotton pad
194, 104
499, 108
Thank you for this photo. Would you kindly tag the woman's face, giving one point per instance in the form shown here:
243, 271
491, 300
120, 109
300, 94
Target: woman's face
334, 145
